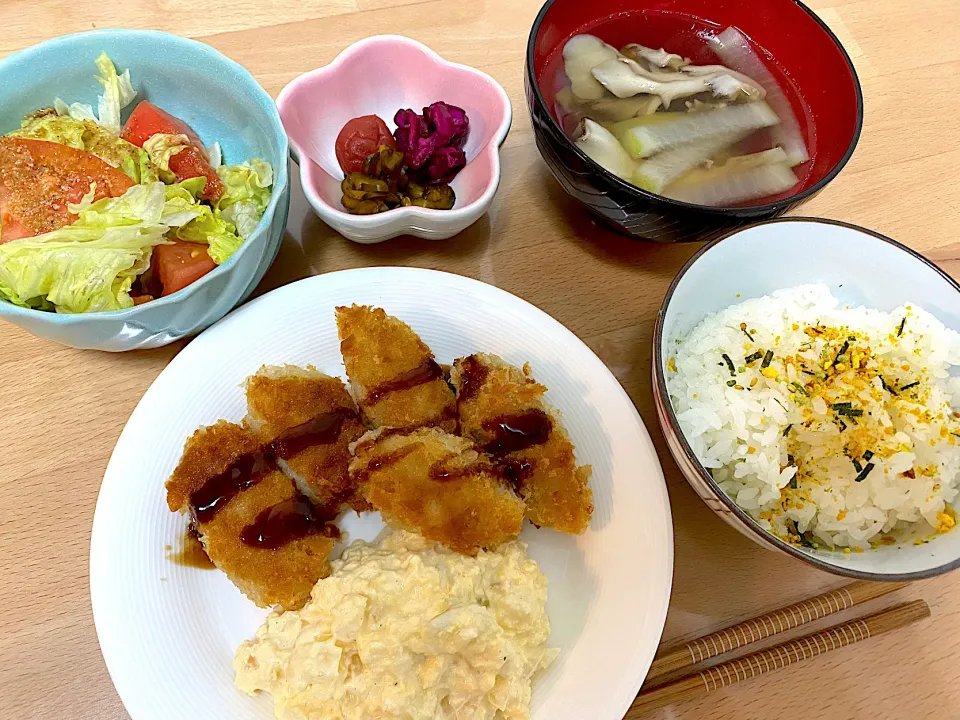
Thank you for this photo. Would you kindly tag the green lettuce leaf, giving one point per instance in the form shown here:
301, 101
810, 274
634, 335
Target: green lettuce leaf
182, 202
118, 92
88, 266
219, 235
160, 148
92, 137
76, 111
246, 194
215, 154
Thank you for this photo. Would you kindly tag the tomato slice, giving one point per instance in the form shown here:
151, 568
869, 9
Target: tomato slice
180, 264
360, 138
38, 179
147, 120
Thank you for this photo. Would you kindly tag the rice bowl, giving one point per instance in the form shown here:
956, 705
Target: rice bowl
832, 426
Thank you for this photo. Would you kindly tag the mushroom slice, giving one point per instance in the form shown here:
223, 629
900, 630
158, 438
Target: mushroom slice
600, 145
621, 78
607, 109
752, 89
657, 58
729, 87
580, 55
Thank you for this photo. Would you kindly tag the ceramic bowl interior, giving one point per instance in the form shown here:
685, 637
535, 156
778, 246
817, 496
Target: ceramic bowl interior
860, 268
378, 76
798, 49
221, 101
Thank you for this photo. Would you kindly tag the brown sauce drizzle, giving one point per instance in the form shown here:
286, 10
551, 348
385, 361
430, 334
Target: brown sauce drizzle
324, 429
247, 470
244, 472
427, 372
441, 473
290, 520
513, 433
472, 375
516, 471
384, 433
385, 460
191, 552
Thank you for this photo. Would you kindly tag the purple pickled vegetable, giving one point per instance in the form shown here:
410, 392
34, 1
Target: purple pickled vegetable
432, 143
449, 122
413, 138
444, 165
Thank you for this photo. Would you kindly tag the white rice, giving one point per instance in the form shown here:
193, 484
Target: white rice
753, 431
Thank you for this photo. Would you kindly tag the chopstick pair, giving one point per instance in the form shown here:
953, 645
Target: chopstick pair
750, 631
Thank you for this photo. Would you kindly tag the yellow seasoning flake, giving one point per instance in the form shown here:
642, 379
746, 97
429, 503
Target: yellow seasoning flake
858, 549
846, 550
841, 515
753, 383
769, 372
751, 450
672, 364
947, 521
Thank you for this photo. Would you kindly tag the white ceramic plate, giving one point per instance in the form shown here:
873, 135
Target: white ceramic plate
169, 632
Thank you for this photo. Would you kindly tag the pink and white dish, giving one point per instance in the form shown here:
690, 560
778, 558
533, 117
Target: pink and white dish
375, 76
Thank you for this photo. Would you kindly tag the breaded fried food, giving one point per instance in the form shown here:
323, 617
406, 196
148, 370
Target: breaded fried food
393, 375
312, 417
208, 452
225, 487
437, 484
501, 409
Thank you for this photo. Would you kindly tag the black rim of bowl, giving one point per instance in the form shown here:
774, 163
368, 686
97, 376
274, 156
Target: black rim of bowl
661, 390
755, 210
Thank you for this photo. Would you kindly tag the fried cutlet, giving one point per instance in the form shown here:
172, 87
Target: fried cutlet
223, 483
393, 374
290, 403
501, 409
438, 485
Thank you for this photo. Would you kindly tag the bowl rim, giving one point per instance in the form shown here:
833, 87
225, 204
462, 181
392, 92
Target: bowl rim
720, 212
660, 390
280, 174
412, 214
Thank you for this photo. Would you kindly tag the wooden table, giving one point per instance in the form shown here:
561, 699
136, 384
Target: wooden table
61, 410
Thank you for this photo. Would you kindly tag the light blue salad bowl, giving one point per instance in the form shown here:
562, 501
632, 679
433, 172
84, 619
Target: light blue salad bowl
222, 102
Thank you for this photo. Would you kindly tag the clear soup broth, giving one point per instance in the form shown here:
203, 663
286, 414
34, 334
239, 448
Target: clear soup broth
694, 39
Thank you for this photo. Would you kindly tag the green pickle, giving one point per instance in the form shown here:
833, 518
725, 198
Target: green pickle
383, 185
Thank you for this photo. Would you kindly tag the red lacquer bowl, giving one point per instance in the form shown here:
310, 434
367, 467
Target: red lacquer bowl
798, 49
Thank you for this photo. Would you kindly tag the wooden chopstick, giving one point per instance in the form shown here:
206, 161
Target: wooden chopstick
737, 636
779, 656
